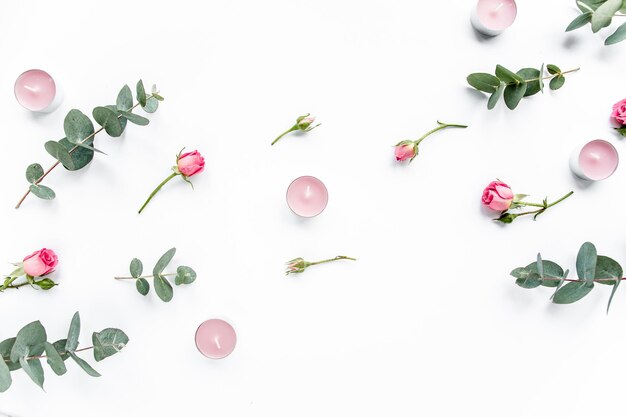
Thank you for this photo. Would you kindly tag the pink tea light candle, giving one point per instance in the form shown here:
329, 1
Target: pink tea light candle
492, 17
594, 161
37, 91
307, 196
216, 339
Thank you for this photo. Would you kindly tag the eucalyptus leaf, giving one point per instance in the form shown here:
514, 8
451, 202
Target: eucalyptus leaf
108, 119
585, 5
580, 21
586, 261
124, 99
185, 275
5, 353
572, 292
5, 376
27, 339
541, 77
136, 268
163, 262
526, 279
108, 342
34, 370
58, 152
59, 345
493, 99
143, 286
550, 270
152, 104
617, 36
557, 82
532, 77
553, 69
54, 359
77, 126
84, 365
33, 173
135, 118
603, 15
141, 93
43, 192
163, 288
507, 75
513, 94
73, 334
123, 121
483, 82
607, 268
81, 156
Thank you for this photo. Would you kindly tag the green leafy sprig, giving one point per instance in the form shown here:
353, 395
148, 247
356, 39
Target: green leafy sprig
299, 265
600, 14
591, 269
514, 86
41, 282
76, 149
26, 350
509, 215
184, 275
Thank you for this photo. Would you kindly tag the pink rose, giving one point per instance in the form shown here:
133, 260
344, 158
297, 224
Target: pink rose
190, 163
40, 262
619, 112
405, 151
498, 196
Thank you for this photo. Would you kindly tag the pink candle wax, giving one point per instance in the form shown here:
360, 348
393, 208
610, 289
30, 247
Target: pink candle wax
595, 161
35, 90
216, 339
492, 17
307, 196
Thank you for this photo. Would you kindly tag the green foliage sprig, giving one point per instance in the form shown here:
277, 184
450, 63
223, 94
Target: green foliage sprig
514, 86
184, 275
591, 269
26, 350
76, 149
509, 215
600, 14
299, 265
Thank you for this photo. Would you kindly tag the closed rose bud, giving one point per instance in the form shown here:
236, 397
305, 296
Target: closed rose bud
498, 196
406, 150
40, 263
305, 122
619, 112
190, 163
296, 266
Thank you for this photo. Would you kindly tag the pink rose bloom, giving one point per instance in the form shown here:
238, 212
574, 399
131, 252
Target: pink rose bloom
498, 196
619, 112
190, 163
405, 151
40, 262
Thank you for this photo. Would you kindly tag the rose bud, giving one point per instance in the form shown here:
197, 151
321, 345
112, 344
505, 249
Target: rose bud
498, 196
303, 123
406, 150
296, 266
190, 163
40, 262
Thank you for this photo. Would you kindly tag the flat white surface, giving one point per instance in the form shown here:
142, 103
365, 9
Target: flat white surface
427, 322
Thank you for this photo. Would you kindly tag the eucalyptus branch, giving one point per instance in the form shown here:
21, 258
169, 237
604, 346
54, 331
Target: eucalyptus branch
184, 276
590, 267
600, 14
516, 85
26, 350
76, 150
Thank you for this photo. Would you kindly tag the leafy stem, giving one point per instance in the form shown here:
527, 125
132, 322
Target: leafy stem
46, 356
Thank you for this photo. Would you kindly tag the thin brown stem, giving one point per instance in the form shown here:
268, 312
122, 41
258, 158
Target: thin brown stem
583, 280
45, 174
45, 356
145, 276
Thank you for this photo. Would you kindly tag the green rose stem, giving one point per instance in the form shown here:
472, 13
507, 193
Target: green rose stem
45, 356
438, 128
336, 258
299, 265
292, 129
156, 190
45, 174
544, 206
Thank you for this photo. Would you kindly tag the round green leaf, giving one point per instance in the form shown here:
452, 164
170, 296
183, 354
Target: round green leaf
34, 370
152, 104
507, 75
572, 292
58, 152
163, 261
136, 268
483, 82
33, 173
185, 275
163, 288
557, 82
54, 359
5, 353
550, 270
493, 99
42, 192
586, 261
77, 126
108, 342
533, 86
108, 119
5, 376
124, 99
81, 157
29, 337
143, 286
121, 119
607, 268
553, 69
513, 94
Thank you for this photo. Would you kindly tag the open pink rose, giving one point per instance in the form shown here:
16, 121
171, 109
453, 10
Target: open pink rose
40, 262
405, 151
190, 163
498, 196
619, 112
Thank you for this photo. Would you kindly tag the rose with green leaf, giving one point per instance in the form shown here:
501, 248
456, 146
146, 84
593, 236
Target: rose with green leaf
76, 150
591, 269
498, 196
303, 124
26, 350
600, 14
618, 117
514, 86
33, 271
299, 265
184, 275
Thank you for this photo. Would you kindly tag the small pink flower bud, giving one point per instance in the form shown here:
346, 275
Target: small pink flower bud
498, 196
40, 262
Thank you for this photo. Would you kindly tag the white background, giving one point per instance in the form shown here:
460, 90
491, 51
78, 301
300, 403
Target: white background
427, 322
